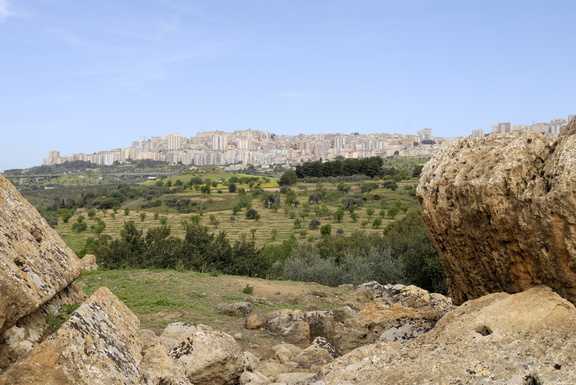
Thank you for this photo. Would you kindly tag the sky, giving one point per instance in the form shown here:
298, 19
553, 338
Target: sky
92, 75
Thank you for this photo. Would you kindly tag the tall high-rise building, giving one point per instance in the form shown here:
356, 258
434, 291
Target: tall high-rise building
174, 142
425, 134
478, 133
504, 128
340, 142
219, 142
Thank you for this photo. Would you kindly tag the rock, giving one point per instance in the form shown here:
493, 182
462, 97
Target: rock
291, 325
157, 367
209, 357
343, 313
320, 352
35, 264
98, 344
272, 368
256, 320
501, 213
254, 378
524, 338
282, 353
408, 296
20, 339
177, 332
251, 362
374, 319
236, 309
293, 378
88, 262
321, 323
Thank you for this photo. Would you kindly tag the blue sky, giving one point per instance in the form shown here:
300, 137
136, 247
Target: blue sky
91, 75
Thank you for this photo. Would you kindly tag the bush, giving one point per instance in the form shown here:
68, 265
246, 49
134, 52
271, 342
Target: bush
326, 230
252, 214
314, 224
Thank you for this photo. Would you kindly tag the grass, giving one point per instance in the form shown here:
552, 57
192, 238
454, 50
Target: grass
160, 297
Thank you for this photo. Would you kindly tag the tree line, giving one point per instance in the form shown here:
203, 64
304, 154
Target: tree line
367, 166
199, 250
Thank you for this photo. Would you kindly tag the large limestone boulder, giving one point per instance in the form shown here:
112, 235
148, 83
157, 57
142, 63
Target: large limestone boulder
98, 344
35, 263
209, 357
157, 367
375, 320
501, 213
28, 332
525, 338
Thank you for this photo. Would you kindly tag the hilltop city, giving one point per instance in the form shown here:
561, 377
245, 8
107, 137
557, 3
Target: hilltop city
237, 149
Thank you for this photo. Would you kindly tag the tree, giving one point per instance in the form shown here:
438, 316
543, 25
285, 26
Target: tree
251, 214
314, 224
232, 187
315, 197
377, 223
326, 230
288, 178
339, 215
392, 185
205, 189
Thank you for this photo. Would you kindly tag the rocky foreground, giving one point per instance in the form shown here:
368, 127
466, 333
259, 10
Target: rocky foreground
391, 334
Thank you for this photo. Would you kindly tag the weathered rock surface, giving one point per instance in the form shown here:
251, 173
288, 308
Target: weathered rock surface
290, 324
256, 320
376, 320
253, 378
35, 264
177, 332
319, 353
210, 357
235, 309
501, 213
98, 344
157, 367
20, 339
525, 338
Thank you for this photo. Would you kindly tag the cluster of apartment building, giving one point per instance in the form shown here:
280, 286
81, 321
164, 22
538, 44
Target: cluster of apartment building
549, 129
237, 149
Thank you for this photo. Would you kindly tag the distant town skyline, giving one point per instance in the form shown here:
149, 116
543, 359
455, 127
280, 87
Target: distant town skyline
91, 75
237, 149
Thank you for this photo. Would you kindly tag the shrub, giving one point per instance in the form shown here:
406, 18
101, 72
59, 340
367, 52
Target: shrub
326, 230
314, 224
252, 214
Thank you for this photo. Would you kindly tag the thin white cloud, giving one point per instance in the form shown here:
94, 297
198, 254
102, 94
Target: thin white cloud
5, 10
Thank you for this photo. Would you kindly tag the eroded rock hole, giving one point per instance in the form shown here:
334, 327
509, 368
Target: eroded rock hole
37, 234
532, 379
20, 263
484, 330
